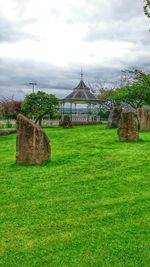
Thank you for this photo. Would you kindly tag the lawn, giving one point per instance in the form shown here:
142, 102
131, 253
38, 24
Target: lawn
89, 206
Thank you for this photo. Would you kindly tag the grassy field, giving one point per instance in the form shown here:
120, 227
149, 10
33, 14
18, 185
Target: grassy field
90, 206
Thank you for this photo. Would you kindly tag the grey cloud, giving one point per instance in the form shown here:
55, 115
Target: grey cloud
134, 31
15, 75
99, 10
120, 20
13, 30
113, 20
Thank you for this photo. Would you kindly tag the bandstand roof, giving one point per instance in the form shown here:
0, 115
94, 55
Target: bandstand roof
81, 93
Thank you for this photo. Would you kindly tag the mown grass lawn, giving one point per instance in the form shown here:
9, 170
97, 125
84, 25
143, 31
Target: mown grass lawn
90, 206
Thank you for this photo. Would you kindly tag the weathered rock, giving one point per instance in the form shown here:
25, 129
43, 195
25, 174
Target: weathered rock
66, 123
114, 117
128, 127
32, 144
144, 119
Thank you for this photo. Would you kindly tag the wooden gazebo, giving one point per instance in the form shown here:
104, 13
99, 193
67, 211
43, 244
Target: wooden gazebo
81, 94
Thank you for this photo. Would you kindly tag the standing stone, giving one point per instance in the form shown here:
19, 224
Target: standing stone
144, 119
114, 117
32, 144
66, 123
128, 127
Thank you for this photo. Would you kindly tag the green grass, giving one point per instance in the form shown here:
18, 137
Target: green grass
90, 206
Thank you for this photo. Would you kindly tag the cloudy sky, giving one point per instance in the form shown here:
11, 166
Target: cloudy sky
47, 42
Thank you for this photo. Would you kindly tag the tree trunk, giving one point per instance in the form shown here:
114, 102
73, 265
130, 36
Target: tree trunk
40, 121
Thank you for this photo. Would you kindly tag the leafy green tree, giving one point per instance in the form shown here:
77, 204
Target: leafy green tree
136, 92
142, 80
129, 95
40, 104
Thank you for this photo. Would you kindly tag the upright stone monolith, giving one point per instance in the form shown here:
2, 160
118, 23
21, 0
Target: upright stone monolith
144, 118
114, 117
128, 127
66, 122
32, 144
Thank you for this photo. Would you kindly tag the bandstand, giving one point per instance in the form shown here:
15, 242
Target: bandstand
80, 95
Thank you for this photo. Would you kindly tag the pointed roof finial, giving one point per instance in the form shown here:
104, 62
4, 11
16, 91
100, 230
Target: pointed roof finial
81, 74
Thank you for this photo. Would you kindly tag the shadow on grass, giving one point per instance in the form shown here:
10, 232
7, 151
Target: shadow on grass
140, 141
143, 141
58, 162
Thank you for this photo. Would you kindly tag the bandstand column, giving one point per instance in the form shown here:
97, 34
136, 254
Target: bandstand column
75, 105
71, 110
61, 110
88, 112
63, 104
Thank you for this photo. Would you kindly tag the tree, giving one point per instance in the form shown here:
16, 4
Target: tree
106, 100
40, 104
129, 95
142, 79
10, 107
136, 92
147, 8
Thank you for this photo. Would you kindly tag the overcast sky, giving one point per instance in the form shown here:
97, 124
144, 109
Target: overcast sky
47, 42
